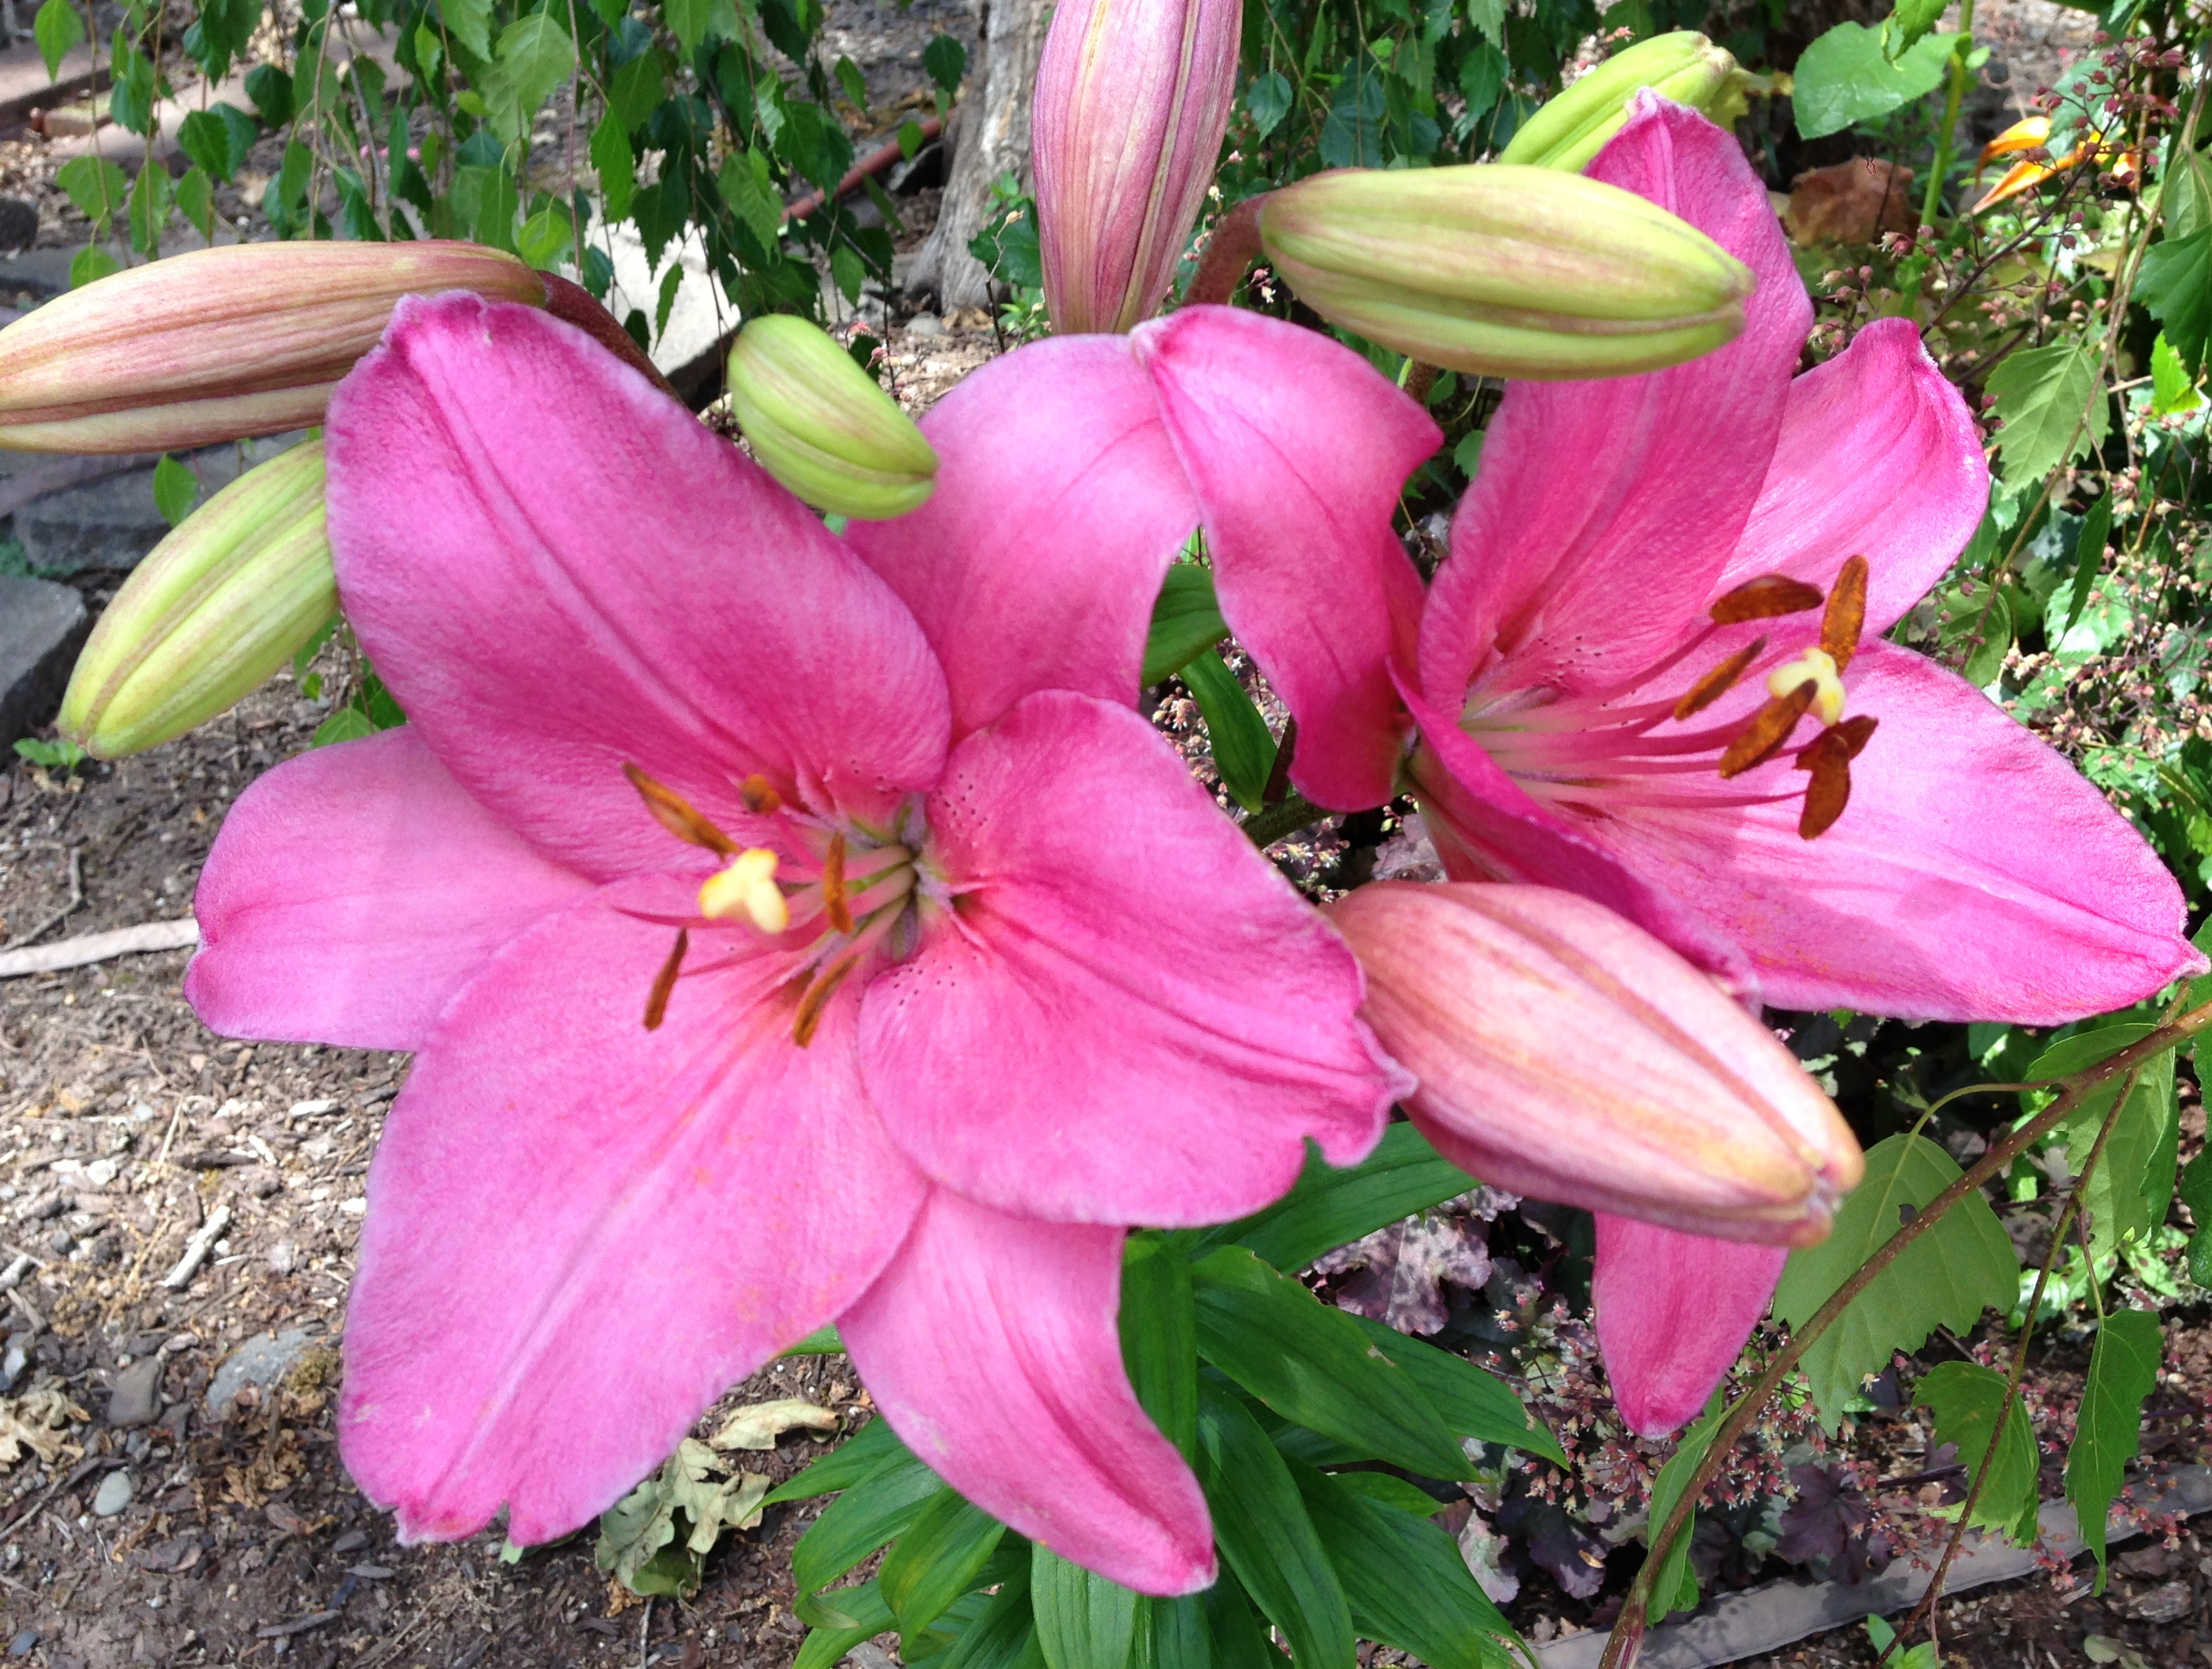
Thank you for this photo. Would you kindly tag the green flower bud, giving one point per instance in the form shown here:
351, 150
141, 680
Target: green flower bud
820, 426
211, 613
1682, 66
1505, 271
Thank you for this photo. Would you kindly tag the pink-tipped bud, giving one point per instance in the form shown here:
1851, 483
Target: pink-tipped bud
1133, 97
220, 344
1564, 1052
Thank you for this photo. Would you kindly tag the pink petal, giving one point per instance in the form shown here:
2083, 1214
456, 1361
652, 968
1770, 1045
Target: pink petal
1674, 1312
580, 1232
1878, 457
353, 890
559, 569
1129, 1017
1296, 448
1057, 508
991, 1344
1604, 509
1487, 827
1975, 875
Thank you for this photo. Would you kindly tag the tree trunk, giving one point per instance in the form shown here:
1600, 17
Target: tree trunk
992, 139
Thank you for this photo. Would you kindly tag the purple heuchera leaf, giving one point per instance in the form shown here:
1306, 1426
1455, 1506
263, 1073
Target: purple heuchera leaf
1400, 1269
1831, 1519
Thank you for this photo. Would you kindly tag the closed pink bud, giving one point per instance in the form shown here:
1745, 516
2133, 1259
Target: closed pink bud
1133, 97
1564, 1052
219, 344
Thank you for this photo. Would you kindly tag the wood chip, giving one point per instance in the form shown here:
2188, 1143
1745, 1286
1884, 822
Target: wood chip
89, 948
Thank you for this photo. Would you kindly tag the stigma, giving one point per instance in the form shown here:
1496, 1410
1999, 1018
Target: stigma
1818, 667
746, 887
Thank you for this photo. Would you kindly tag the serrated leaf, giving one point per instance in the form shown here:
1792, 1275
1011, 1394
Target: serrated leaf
176, 490
1953, 1270
1332, 1207
57, 29
535, 56
616, 165
1403, 1578
2175, 284
1987, 661
196, 201
1489, 16
1845, 78
1908, 25
1268, 100
1674, 1587
218, 139
98, 188
130, 101
1243, 747
548, 237
1966, 1398
937, 1559
150, 207
745, 185
2171, 387
1267, 1540
2127, 1193
852, 84
1083, 1620
469, 23
2042, 394
637, 90
946, 61
90, 264
2088, 560
2122, 1371
1185, 619
269, 86
1314, 1365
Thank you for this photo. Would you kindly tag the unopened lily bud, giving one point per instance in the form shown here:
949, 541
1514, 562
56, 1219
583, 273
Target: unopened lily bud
1505, 270
1565, 1053
1683, 66
1133, 97
822, 426
218, 344
230, 596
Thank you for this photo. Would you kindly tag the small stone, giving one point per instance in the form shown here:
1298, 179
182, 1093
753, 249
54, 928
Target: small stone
136, 1397
924, 324
313, 1109
100, 1171
263, 1360
12, 1363
2168, 1603
352, 1542
112, 1496
42, 626
20, 1646
19, 223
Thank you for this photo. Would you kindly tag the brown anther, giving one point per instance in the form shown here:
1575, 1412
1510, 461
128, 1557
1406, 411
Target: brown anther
834, 901
1719, 681
1846, 616
1762, 599
1769, 729
676, 813
656, 1000
759, 796
817, 998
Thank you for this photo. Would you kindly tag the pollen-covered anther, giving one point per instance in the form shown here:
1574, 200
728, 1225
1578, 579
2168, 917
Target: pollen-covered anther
1769, 729
746, 887
835, 902
1844, 617
676, 815
759, 796
664, 982
1763, 599
1828, 758
1818, 667
1719, 681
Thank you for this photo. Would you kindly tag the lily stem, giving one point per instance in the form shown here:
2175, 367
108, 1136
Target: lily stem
1270, 823
1932, 199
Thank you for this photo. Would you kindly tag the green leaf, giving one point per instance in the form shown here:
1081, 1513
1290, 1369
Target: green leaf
150, 207
823, 1341
2088, 560
1005, 1636
1845, 78
2041, 396
535, 56
269, 86
1909, 23
1489, 16
1267, 99
1473, 1403
1404, 1579
637, 90
1994, 622
1083, 1620
347, 723
2172, 388
852, 84
57, 28
1313, 1365
2196, 1191
946, 60
548, 237
670, 282
2122, 1371
2128, 1192
654, 1539
1159, 1336
1185, 619
1267, 1539
2175, 283
218, 138
96, 186
864, 1605
616, 165
1332, 1207
860, 1520
1958, 1267
469, 23
937, 1560
873, 1447
1965, 1397
130, 101
1391, 1491
176, 490
745, 186
1675, 1586
485, 200
1244, 749
1174, 1634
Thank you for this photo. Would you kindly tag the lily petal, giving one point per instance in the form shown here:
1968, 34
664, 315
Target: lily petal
991, 1346
1585, 574
1058, 509
1913, 493
352, 891
586, 576
581, 1232
1296, 448
1130, 1017
1975, 875
1674, 1312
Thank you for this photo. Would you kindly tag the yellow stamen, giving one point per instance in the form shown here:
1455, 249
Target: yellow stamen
1818, 667
747, 887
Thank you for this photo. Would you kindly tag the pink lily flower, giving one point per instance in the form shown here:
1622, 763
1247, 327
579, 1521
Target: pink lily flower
1652, 671
790, 929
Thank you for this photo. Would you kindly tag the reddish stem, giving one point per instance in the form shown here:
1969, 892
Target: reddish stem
569, 301
1227, 257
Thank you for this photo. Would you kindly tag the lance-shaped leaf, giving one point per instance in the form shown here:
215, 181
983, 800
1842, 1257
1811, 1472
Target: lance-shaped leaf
2123, 1369
937, 1560
1186, 621
865, 1615
874, 1446
1332, 1207
1083, 1620
1243, 749
1473, 1403
1675, 1585
861, 1521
